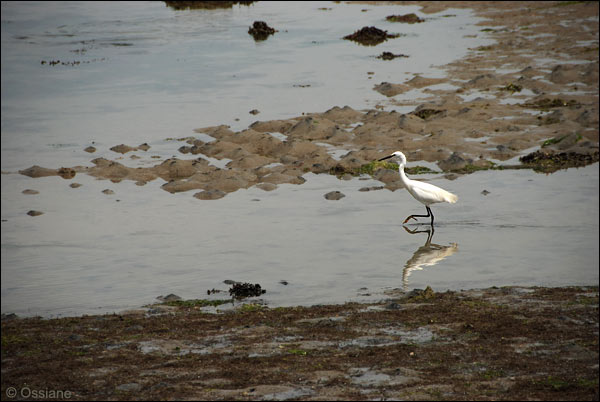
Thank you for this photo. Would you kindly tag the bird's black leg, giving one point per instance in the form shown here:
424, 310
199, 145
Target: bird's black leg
429, 213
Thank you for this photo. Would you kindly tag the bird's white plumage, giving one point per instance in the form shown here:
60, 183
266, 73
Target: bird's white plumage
429, 194
425, 193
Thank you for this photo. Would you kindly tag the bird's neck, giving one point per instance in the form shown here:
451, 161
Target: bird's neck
403, 178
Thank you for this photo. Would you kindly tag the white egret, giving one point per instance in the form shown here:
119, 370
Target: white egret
425, 193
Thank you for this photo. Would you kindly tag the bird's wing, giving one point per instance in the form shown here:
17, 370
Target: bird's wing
429, 194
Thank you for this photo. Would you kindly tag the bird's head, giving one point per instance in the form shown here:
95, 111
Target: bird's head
398, 156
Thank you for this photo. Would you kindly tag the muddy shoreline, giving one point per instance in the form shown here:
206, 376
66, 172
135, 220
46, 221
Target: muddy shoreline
509, 343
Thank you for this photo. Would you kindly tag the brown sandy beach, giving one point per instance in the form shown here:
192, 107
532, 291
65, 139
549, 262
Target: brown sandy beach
535, 91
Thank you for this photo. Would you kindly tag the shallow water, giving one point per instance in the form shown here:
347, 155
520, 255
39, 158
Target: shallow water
91, 253
155, 73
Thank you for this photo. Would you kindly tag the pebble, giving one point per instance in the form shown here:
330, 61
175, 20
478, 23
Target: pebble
334, 195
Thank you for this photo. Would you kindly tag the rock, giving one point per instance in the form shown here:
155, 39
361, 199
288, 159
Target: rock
386, 175
108, 191
168, 298
75, 185
334, 195
372, 188
90, 149
38, 171
411, 18
454, 162
30, 191
210, 195
266, 186
254, 111
122, 148
389, 90
34, 213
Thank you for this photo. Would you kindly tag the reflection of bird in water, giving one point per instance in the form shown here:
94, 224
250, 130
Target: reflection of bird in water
427, 255
425, 193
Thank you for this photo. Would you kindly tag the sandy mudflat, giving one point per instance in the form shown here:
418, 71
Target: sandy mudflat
536, 88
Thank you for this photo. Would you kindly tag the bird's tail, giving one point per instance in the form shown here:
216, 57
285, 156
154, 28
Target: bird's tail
451, 198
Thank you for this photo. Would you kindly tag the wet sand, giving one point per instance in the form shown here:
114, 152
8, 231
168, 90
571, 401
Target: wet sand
509, 343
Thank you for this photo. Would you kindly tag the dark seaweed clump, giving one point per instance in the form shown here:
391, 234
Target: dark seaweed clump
260, 30
370, 36
241, 290
390, 56
547, 162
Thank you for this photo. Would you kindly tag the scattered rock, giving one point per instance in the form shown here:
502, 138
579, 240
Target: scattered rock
210, 195
30, 191
108, 191
266, 186
254, 111
372, 188
485, 192
334, 195
37, 171
411, 18
454, 162
90, 149
34, 213
168, 298
389, 89
122, 149
144, 146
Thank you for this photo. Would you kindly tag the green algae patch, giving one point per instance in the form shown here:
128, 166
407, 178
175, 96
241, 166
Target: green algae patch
197, 303
512, 88
547, 104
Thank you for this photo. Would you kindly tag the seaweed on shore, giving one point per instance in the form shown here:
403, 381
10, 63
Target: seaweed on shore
370, 36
